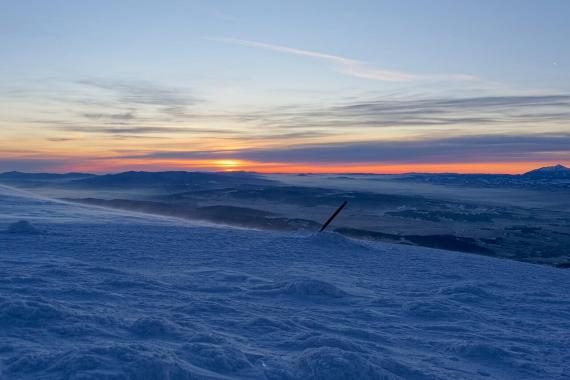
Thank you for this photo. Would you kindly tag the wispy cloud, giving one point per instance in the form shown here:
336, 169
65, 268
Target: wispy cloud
34, 164
98, 116
140, 130
60, 139
483, 148
349, 66
412, 112
140, 92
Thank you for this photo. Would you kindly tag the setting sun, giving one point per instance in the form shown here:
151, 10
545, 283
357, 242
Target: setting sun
228, 165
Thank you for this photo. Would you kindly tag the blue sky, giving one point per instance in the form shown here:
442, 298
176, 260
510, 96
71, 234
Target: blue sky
99, 82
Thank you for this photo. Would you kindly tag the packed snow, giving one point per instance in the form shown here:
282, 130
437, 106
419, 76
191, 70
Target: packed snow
89, 293
23, 227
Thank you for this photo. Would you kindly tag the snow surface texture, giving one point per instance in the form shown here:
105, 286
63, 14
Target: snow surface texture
23, 227
103, 295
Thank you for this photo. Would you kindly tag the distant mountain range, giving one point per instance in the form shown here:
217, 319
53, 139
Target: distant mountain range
179, 179
175, 180
19, 176
550, 177
387, 213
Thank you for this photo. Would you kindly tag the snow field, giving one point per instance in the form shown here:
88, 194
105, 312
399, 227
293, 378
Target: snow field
97, 295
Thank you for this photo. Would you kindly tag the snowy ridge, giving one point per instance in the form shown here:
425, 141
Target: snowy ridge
106, 295
17, 203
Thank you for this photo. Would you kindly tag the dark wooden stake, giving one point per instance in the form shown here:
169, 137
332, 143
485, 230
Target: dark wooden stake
333, 216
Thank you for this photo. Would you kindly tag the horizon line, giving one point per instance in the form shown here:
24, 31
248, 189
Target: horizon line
95, 173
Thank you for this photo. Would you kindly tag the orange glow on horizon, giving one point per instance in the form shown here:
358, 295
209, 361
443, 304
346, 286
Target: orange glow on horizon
228, 165
118, 165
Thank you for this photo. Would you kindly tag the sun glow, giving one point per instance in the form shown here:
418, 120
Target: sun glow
227, 165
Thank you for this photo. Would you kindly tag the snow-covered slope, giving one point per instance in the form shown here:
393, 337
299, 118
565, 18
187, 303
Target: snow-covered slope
95, 294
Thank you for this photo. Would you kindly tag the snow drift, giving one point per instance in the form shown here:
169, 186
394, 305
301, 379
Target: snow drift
107, 295
23, 227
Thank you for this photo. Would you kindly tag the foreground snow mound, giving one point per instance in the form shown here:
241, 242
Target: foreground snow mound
157, 328
302, 288
334, 241
333, 364
23, 227
109, 296
30, 312
129, 361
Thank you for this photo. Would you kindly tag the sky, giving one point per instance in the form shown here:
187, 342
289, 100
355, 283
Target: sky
284, 86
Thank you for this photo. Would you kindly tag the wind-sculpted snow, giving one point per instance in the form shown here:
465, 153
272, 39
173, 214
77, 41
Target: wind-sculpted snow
104, 295
23, 227
22, 206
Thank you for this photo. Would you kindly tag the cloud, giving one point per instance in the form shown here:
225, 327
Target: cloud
552, 100
483, 148
188, 155
59, 139
348, 66
138, 92
297, 122
417, 112
124, 116
135, 130
459, 111
34, 164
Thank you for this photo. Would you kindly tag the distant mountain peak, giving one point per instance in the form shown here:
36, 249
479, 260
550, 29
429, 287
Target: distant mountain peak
558, 167
550, 171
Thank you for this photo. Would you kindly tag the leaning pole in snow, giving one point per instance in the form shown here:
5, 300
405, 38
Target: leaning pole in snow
333, 216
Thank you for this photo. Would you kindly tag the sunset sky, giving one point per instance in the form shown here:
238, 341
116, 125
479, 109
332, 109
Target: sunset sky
284, 86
